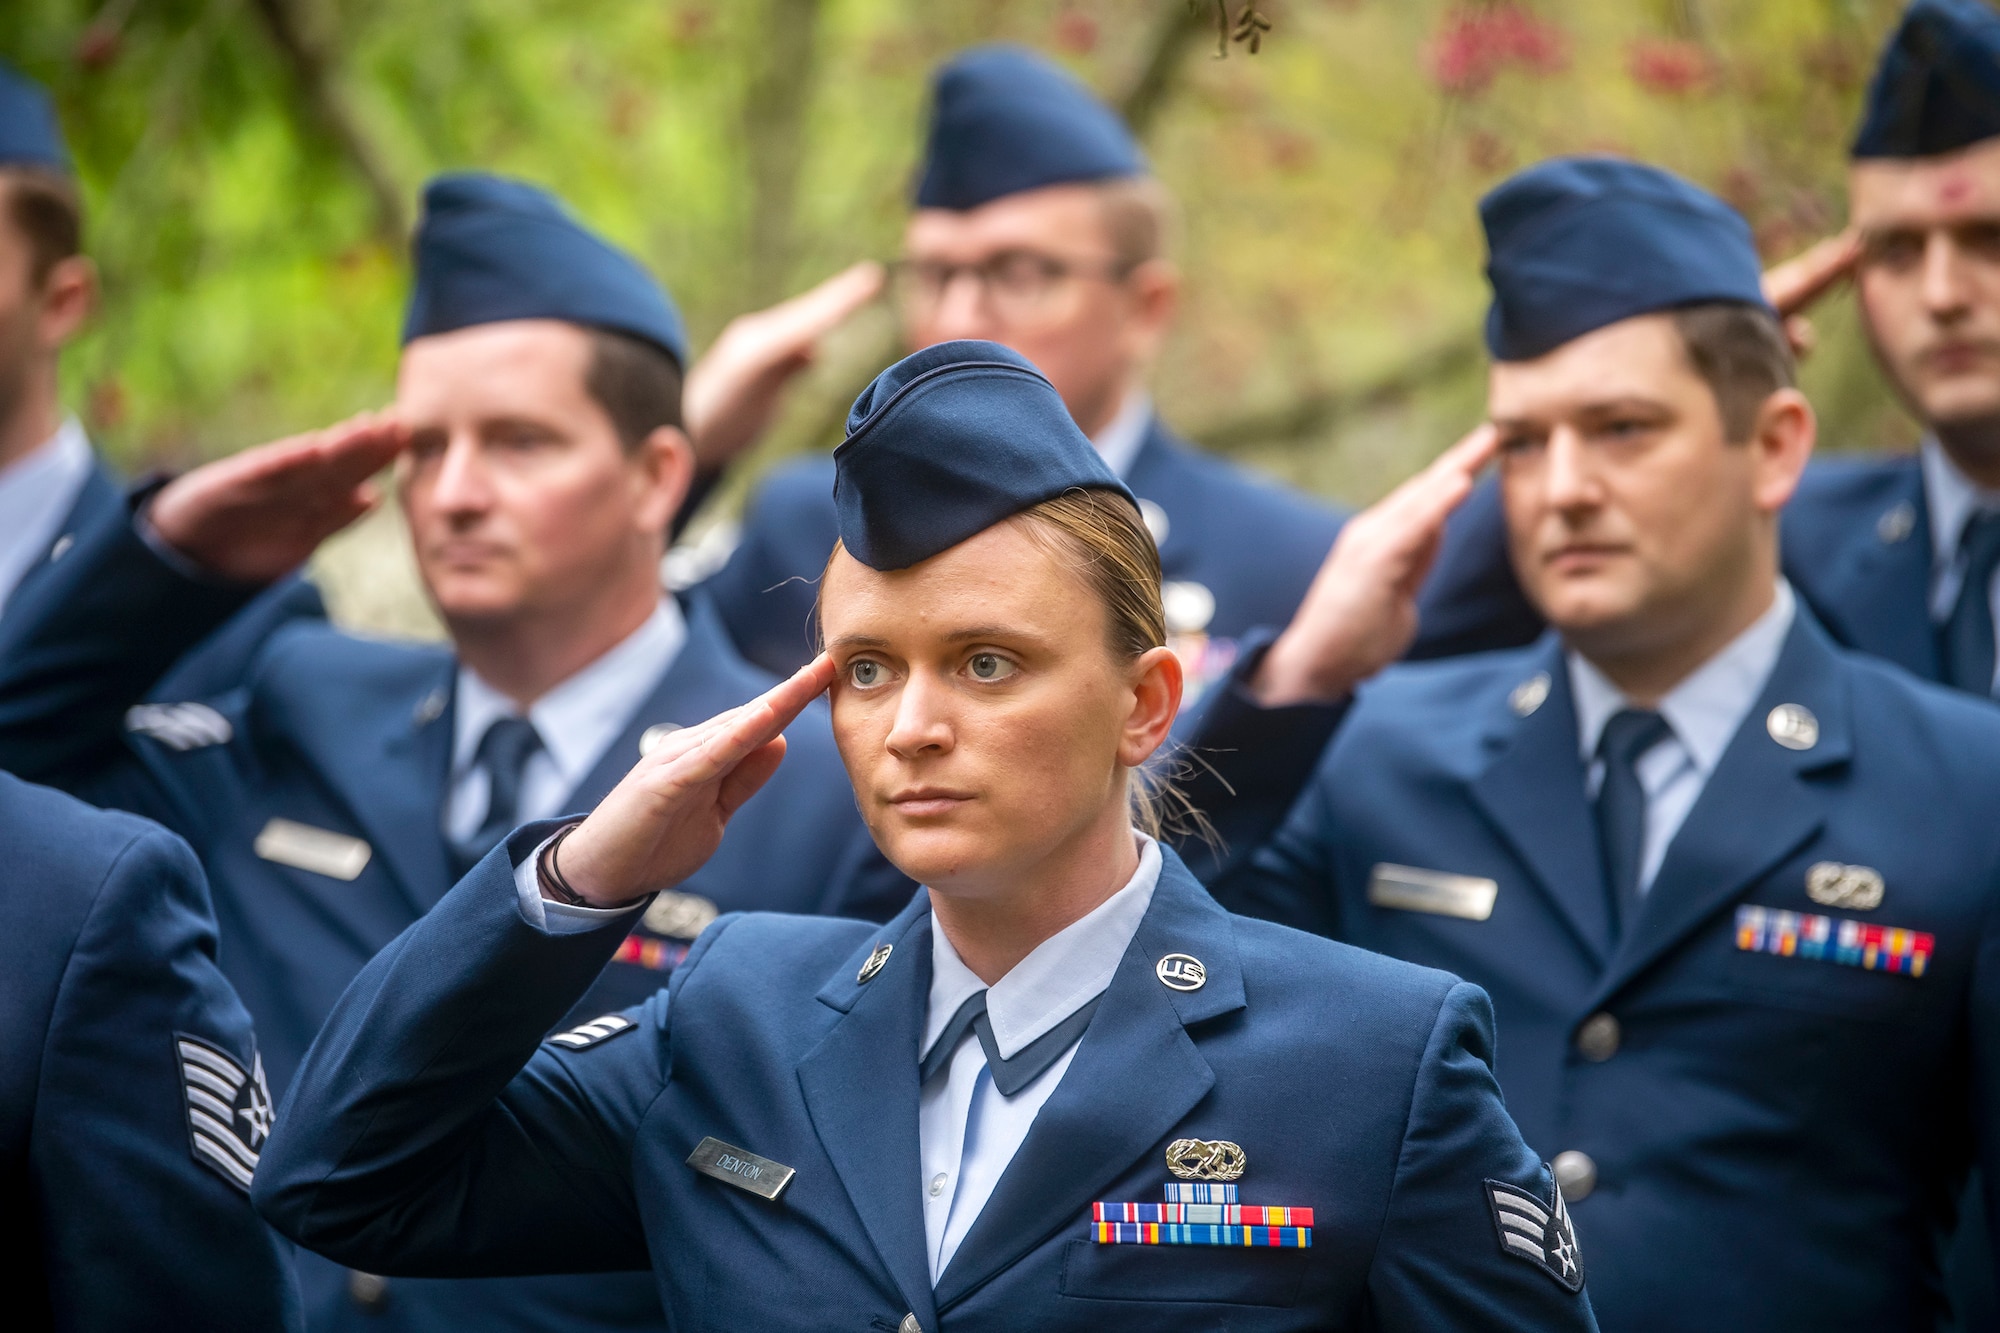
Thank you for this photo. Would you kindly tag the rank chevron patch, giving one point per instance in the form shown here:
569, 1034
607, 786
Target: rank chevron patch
229, 1108
595, 1031
1536, 1233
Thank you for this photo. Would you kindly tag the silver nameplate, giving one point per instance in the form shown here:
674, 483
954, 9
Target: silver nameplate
745, 1170
319, 850
1411, 889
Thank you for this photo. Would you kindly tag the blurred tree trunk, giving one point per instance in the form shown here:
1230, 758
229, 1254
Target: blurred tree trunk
782, 74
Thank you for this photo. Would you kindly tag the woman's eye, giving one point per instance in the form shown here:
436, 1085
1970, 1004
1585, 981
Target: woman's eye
865, 674
989, 666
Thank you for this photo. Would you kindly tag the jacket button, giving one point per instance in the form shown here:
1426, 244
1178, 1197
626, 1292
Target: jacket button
369, 1291
909, 1325
1576, 1175
1597, 1039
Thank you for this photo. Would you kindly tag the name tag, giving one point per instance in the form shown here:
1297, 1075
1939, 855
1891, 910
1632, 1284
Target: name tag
745, 1170
322, 851
1411, 889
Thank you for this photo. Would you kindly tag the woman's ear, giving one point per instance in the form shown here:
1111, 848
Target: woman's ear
1157, 681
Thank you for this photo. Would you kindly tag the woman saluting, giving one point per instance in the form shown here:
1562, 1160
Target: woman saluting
1063, 1089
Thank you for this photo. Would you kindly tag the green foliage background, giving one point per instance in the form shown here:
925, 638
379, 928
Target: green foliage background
252, 167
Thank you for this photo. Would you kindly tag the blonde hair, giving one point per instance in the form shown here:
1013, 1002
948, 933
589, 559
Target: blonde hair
1098, 535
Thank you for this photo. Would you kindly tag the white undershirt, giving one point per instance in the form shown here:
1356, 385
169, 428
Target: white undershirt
1953, 500
37, 491
967, 1130
578, 721
1704, 711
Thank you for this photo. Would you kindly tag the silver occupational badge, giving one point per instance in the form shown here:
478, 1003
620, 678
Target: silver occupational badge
1205, 1159
1793, 726
875, 963
1179, 971
1529, 694
1857, 888
229, 1108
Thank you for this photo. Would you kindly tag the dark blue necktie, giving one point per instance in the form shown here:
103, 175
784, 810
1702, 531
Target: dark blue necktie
503, 752
1967, 638
1028, 1064
1621, 807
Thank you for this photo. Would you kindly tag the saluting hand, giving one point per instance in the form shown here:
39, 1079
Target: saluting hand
1360, 614
666, 816
1794, 285
733, 391
255, 516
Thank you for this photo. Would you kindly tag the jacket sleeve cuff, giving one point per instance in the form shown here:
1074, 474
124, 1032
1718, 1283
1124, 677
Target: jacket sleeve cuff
559, 918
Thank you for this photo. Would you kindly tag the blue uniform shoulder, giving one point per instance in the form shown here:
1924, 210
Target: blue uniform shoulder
313, 662
1238, 486
1944, 732
1840, 499
801, 487
1373, 987
1440, 707
52, 833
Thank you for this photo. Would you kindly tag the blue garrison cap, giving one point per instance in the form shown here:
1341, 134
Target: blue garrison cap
29, 134
946, 443
1938, 86
490, 249
1004, 120
1576, 243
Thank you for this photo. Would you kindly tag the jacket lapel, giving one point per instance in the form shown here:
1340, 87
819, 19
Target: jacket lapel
1758, 807
860, 1088
1532, 790
1157, 482
1094, 1126
706, 677
1879, 598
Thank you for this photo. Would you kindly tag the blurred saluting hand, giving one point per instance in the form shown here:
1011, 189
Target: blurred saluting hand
666, 816
734, 390
255, 516
1793, 286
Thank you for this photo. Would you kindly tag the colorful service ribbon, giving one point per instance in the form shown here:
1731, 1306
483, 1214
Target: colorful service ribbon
1843, 940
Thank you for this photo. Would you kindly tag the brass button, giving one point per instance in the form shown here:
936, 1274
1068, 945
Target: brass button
1576, 1175
1597, 1039
909, 1325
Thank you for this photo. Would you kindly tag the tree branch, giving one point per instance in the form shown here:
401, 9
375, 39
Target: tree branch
311, 65
1171, 38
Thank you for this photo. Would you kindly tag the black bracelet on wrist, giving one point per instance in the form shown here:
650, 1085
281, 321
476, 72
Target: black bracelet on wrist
549, 877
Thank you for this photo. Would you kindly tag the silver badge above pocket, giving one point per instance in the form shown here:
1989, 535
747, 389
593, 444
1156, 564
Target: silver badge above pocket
1857, 888
322, 851
1411, 889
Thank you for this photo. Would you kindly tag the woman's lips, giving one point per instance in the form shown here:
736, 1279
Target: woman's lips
923, 801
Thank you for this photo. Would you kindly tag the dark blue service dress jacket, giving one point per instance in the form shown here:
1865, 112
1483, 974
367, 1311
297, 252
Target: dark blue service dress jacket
1779, 1134
311, 781
1254, 546
132, 1108
100, 501
1855, 542
432, 1129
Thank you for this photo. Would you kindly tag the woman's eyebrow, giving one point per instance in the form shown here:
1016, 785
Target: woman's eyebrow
858, 641
992, 632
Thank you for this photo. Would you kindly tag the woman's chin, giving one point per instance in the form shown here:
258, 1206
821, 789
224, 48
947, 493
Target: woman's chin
933, 854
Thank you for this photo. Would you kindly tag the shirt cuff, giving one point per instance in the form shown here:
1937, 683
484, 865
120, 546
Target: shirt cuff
558, 918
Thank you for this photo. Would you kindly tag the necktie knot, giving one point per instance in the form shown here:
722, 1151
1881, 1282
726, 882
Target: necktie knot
1629, 734
1010, 1075
1621, 807
503, 753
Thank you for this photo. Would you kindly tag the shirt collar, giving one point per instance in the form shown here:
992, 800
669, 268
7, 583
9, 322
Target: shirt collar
1119, 442
1056, 978
57, 463
1705, 709
581, 717
1952, 499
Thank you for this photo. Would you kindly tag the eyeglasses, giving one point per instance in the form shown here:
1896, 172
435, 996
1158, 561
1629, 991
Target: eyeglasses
1013, 285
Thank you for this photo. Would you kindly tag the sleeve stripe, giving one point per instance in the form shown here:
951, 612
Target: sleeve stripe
224, 1162
204, 1123
198, 1054
215, 1106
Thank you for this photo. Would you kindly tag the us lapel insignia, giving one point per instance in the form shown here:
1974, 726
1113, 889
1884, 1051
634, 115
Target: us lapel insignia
1793, 726
303, 847
594, 1033
1201, 1208
876, 961
1536, 1233
1897, 522
429, 708
1826, 939
1529, 695
740, 1167
229, 1108
1857, 888
179, 726
650, 738
1181, 971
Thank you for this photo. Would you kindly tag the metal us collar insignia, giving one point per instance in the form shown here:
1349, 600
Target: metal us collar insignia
650, 738
739, 1167
1206, 1159
1856, 888
429, 708
229, 1108
1180, 971
179, 726
1536, 1233
1793, 726
875, 963
1529, 695
1896, 523
593, 1033
322, 851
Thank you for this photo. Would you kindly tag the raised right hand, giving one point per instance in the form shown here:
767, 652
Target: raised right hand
666, 817
257, 515
1360, 614
1794, 285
